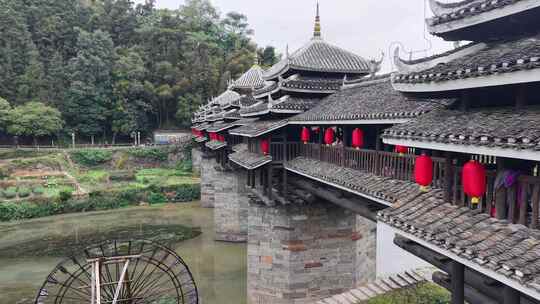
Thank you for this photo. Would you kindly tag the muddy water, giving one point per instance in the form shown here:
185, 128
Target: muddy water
219, 268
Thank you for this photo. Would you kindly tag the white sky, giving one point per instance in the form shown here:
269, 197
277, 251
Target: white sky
365, 27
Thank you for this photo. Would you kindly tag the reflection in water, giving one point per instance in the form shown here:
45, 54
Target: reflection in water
219, 268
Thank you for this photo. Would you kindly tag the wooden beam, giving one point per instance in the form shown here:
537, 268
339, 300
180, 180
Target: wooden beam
471, 295
357, 205
511, 296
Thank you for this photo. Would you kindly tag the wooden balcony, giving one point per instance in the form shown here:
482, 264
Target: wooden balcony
525, 191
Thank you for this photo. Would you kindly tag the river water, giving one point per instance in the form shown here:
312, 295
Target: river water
219, 268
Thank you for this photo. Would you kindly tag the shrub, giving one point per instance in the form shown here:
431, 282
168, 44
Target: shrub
156, 198
10, 193
122, 176
4, 172
91, 158
154, 154
38, 190
65, 195
24, 192
185, 193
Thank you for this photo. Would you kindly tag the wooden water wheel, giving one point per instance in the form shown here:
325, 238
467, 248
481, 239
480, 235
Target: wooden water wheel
130, 272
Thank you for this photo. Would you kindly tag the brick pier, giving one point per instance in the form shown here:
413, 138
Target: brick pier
301, 254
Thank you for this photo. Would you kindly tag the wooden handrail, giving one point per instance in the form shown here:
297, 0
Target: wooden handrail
519, 203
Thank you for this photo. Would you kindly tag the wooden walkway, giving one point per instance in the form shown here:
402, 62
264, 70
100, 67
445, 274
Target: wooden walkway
379, 287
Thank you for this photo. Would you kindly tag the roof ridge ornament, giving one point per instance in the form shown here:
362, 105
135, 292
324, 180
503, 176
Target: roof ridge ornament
375, 65
317, 31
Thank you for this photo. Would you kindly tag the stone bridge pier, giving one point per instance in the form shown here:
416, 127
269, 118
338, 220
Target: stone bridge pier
303, 253
231, 203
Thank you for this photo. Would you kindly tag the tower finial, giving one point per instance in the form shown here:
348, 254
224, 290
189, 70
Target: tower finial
256, 61
317, 31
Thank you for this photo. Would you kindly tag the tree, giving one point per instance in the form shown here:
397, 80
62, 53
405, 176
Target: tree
267, 56
34, 119
131, 106
88, 98
5, 109
187, 104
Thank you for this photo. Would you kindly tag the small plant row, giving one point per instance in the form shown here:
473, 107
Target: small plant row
99, 200
21, 192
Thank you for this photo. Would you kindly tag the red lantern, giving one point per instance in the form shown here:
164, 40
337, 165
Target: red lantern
305, 135
401, 149
265, 146
474, 180
423, 171
329, 136
357, 138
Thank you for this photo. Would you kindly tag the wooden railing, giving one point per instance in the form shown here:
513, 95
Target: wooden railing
507, 200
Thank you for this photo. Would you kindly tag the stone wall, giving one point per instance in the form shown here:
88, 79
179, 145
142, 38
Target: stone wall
366, 250
231, 206
209, 175
196, 157
300, 254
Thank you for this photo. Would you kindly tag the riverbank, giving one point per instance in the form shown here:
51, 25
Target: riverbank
219, 268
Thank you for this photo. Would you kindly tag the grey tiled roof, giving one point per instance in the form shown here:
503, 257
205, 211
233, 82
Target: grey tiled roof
320, 56
227, 98
497, 245
215, 145
494, 127
201, 139
257, 109
295, 104
269, 87
368, 100
222, 126
252, 79
203, 126
466, 8
498, 57
383, 188
259, 127
232, 115
312, 84
247, 101
248, 160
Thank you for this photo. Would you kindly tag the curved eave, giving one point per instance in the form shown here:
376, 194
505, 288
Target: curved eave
258, 113
266, 94
289, 67
286, 111
466, 21
393, 121
405, 67
306, 90
245, 166
497, 79
468, 149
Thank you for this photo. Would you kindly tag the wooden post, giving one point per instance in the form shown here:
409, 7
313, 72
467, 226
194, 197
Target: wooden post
465, 101
521, 97
500, 194
269, 181
285, 184
458, 283
253, 175
448, 177
511, 296
378, 139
